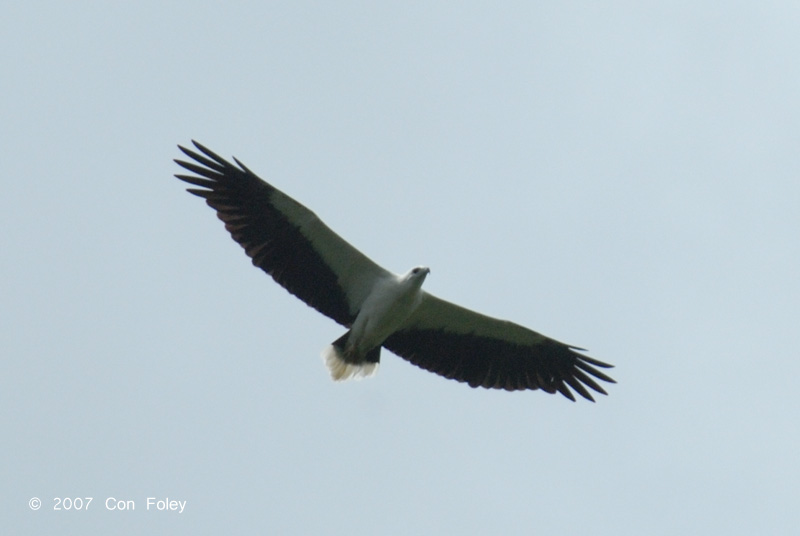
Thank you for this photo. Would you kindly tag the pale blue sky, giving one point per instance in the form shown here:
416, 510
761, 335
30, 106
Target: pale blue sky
624, 177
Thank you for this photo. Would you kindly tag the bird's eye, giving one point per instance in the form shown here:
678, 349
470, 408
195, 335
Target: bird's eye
415, 271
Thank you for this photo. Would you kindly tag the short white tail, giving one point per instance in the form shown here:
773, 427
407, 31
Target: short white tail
342, 370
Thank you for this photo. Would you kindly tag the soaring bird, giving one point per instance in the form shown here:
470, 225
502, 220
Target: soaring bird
379, 308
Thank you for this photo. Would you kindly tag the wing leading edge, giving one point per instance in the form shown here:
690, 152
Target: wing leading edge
482, 351
282, 237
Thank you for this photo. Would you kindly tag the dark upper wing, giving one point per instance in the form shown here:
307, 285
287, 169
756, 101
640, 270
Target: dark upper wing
283, 238
463, 345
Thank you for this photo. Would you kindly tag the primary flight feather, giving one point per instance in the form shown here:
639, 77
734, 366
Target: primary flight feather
379, 308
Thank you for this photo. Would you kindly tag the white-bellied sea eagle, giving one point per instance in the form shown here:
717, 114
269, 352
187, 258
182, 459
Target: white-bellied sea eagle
379, 308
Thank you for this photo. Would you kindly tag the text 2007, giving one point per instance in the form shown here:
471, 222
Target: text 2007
69, 503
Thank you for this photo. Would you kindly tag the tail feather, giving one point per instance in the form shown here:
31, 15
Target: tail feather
343, 366
340, 369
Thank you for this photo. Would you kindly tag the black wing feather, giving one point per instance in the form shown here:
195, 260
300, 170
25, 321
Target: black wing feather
496, 364
244, 202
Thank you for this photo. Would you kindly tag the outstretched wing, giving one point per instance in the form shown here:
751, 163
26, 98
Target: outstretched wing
463, 345
282, 237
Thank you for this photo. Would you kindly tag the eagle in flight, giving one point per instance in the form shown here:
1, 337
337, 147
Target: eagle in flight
379, 308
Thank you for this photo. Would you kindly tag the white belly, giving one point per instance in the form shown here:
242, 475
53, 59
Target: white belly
386, 309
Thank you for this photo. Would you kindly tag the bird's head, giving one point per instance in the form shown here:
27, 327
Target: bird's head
417, 275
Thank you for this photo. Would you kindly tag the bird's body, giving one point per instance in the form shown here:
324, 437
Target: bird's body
387, 307
379, 308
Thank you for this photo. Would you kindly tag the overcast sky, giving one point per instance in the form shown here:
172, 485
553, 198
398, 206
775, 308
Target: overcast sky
621, 176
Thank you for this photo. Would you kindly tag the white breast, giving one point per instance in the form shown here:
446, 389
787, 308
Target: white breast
390, 303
